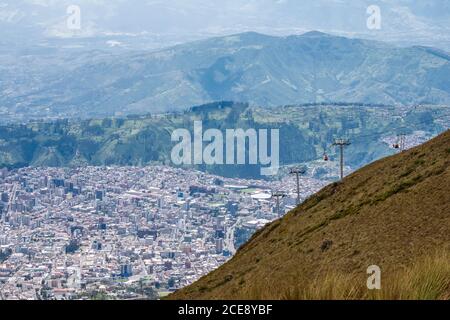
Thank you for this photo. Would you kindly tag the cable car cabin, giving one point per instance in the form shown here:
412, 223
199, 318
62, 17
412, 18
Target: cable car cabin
396, 146
325, 157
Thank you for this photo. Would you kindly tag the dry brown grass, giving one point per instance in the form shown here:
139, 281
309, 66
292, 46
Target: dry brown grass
429, 279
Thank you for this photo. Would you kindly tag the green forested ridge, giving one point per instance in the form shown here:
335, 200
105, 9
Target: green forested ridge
305, 133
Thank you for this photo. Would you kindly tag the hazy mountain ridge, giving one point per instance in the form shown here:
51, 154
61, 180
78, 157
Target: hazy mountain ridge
249, 67
161, 23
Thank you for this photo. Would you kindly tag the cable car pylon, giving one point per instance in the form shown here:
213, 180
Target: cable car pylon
278, 195
297, 172
341, 143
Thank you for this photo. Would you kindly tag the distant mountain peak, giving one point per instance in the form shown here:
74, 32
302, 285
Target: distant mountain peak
313, 34
250, 35
253, 34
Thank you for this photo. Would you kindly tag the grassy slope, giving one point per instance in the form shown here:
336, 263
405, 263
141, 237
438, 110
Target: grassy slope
394, 213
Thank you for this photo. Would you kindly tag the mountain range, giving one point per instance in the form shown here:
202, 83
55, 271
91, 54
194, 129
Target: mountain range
258, 69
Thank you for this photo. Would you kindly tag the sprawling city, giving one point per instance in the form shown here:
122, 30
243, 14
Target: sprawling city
213, 159
126, 232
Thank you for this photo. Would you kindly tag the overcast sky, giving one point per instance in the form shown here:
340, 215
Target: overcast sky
418, 21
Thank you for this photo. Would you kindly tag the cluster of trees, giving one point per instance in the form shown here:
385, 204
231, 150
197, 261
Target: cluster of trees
73, 246
4, 254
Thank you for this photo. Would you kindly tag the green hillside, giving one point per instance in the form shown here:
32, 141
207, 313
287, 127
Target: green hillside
306, 132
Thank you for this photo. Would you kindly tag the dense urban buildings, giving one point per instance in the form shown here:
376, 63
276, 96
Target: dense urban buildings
126, 232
